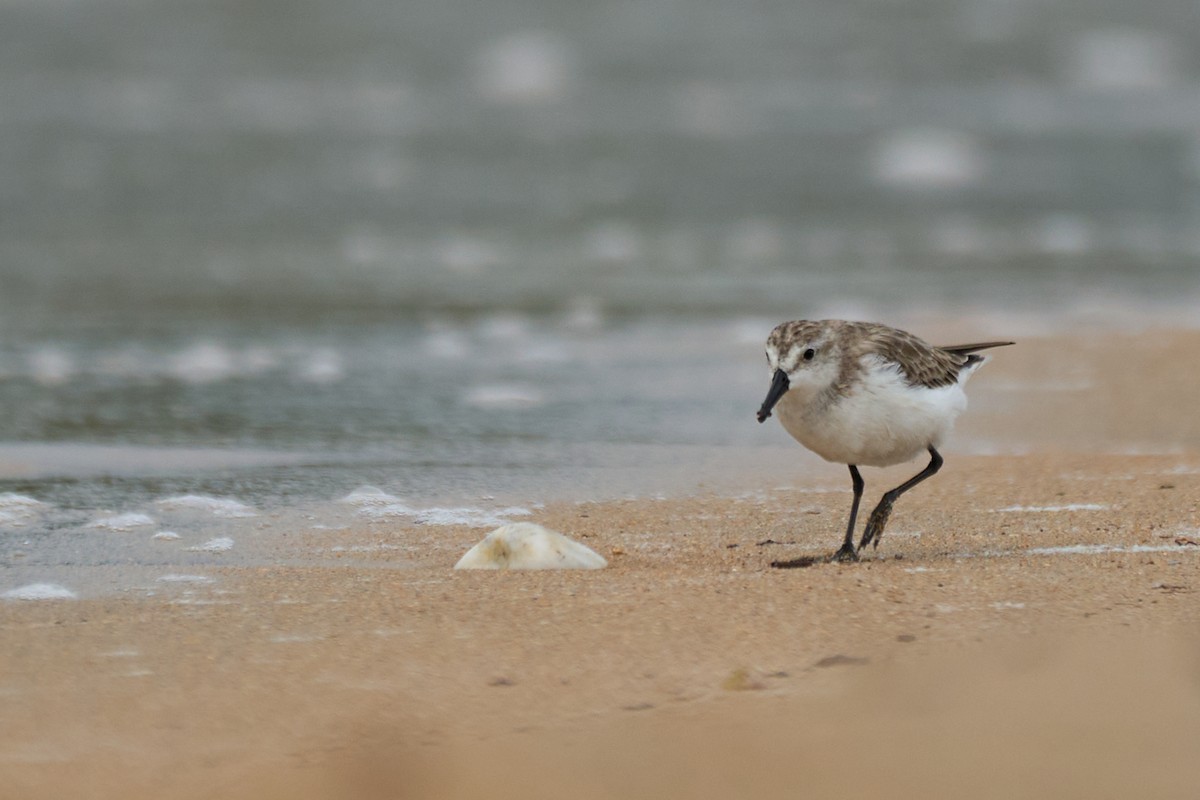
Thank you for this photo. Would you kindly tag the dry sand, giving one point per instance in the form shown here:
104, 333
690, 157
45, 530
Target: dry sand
961, 659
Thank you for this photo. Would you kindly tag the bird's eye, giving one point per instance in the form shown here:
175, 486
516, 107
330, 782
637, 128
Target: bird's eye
809, 354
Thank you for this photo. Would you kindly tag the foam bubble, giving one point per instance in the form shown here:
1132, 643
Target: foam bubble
217, 506
370, 496
11, 500
51, 366
221, 544
39, 591
933, 159
469, 517
1095, 549
204, 362
122, 522
323, 365
504, 397
364, 548
1124, 59
466, 516
388, 511
165, 535
130, 652
1048, 509
177, 578
17, 510
527, 68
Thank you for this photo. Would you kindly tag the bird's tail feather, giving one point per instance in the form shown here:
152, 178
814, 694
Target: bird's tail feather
967, 349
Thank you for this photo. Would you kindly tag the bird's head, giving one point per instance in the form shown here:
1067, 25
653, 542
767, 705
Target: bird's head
803, 357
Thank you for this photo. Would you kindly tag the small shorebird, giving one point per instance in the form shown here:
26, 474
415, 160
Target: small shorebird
864, 394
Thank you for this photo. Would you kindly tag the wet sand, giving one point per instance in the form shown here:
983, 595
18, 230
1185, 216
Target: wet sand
1028, 627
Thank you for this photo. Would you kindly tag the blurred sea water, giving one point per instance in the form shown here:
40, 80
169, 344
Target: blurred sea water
485, 255
654, 155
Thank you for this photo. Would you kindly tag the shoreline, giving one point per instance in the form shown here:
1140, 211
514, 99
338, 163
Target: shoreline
408, 673
1026, 628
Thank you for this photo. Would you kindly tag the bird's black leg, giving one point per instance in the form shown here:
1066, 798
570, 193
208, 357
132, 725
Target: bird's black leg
879, 517
847, 552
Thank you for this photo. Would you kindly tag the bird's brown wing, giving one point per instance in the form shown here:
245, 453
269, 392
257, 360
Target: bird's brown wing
922, 363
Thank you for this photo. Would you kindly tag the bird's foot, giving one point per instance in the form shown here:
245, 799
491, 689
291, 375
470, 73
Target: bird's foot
875, 525
844, 554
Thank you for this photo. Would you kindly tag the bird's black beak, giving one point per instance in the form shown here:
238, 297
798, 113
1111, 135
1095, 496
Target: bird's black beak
779, 385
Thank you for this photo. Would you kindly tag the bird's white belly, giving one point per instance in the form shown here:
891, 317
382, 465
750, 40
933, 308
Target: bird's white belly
883, 421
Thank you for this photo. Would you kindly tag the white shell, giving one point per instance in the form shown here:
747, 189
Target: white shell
524, 545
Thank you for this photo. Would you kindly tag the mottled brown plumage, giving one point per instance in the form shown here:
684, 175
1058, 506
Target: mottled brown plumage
921, 363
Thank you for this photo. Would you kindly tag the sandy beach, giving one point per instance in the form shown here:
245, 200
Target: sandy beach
1028, 627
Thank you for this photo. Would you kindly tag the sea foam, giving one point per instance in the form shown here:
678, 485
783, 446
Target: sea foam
370, 496
122, 522
1094, 549
466, 516
176, 578
503, 397
469, 517
17, 510
39, 591
1047, 509
217, 506
221, 544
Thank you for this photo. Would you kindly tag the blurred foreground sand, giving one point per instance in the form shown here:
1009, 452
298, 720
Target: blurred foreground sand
962, 659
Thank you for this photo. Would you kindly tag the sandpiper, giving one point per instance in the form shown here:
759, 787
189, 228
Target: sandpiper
865, 394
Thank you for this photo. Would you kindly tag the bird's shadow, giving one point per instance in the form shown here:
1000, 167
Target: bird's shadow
801, 562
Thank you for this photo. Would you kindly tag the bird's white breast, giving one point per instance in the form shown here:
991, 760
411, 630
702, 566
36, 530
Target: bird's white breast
879, 421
